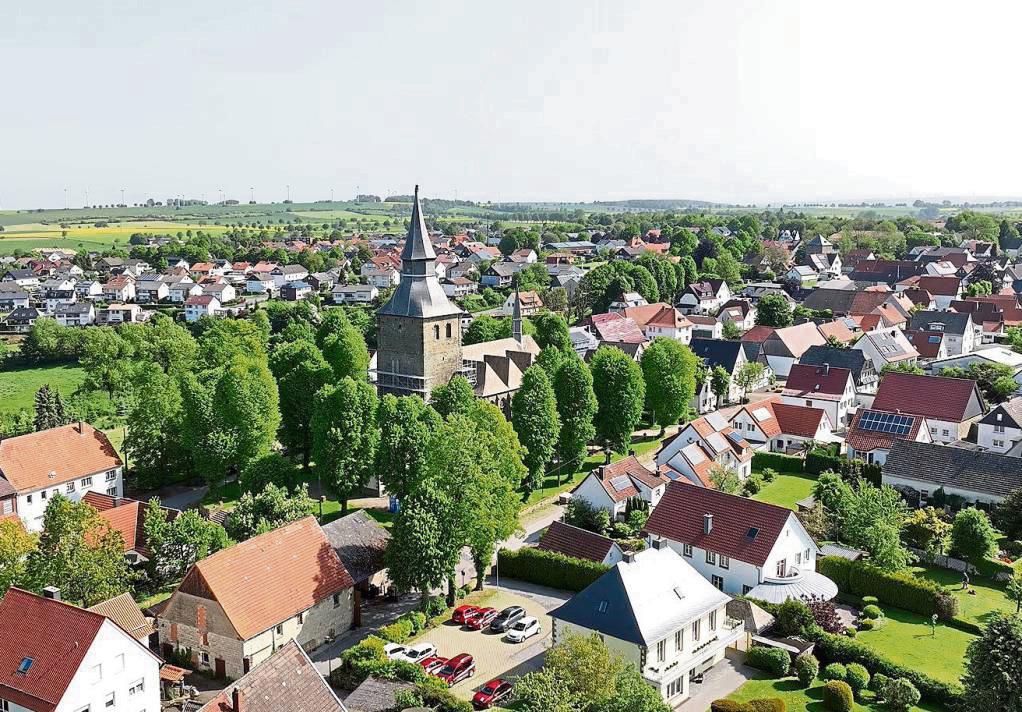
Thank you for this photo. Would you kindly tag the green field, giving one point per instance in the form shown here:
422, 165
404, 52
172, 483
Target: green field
786, 490
905, 638
17, 388
32, 236
797, 699
979, 607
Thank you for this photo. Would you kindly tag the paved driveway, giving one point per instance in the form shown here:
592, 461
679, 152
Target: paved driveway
720, 681
494, 657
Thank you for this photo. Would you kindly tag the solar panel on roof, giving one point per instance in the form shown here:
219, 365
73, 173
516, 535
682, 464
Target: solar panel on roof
891, 423
735, 437
620, 483
717, 441
761, 414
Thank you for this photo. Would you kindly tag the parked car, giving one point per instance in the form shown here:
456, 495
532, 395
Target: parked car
460, 667
482, 618
394, 650
416, 653
461, 611
507, 618
492, 693
432, 664
523, 630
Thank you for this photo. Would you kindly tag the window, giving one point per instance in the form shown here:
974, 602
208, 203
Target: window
711, 558
676, 687
725, 562
745, 589
280, 629
301, 617
28, 499
110, 700
946, 433
717, 581
798, 558
111, 475
448, 330
686, 549
661, 651
204, 659
5, 706
337, 600
97, 673
86, 481
933, 431
679, 640
807, 558
137, 688
70, 487
782, 566
436, 331
998, 428
809, 404
112, 491
696, 630
43, 494
713, 620
997, 443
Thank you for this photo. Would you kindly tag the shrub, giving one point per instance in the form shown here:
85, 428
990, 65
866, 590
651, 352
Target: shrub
434, 606
872, 612
851, 632
857, 678
879, 684
899, 589
772, 660
776, 461
870, 600
418, 621
397, 632
902, 694
825, 615
837, 696
579, 513
729, 706
869, 623
621, 530
767, 704
793, 618
769, 474
807, 667
549, 568
753, 484
435, 695
818, 461
835, 671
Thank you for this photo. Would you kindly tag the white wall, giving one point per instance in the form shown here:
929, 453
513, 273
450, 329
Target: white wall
986, 437
32, 512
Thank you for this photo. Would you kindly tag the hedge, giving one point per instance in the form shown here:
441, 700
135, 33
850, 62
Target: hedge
837, 696
838, 648
902, 590
772, 660
776, 461
549, 568
766, 704
818, 461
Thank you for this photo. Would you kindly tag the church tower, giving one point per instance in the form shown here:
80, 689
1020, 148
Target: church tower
419, 329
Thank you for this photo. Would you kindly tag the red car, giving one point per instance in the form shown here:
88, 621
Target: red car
461, 612
460, 667
481, 618
492, 693
433, 664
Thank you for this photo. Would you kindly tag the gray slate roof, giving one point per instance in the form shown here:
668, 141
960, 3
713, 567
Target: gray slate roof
360, 543
983, 472
953, 322
375, 695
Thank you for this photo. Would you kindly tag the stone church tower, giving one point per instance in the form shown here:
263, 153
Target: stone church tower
419, 329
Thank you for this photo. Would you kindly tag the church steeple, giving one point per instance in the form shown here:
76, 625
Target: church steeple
516, 317
417, 244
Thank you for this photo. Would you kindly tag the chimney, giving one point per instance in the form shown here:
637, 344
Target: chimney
707, 523
81, 427
601, 471
237, 700
658, 544
52, 593
826, 369
629, 557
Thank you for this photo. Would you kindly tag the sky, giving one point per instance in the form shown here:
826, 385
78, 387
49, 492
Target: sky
537, 100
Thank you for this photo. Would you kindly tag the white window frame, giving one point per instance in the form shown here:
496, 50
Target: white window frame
686, 550
86, 482
70, 486
711, 558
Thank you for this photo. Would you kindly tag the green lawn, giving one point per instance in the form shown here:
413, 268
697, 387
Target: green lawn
905, 639
797, 699
786, 490
978, 608
18, 387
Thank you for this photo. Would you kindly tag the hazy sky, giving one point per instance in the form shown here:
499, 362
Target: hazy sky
523, 100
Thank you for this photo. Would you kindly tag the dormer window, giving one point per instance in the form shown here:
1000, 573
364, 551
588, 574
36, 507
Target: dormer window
25, 666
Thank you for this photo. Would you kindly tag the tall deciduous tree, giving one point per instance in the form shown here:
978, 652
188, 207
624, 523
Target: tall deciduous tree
406, 426
245, 410
175, 545
748, 376
454, 397
534, 414
552, 331
79, 553
154, 438
774, 310
301, 371
669, 372
576, 406
426, 541
972, 535
720, 383
343, 345
15, 546
345, 436
268, 510
620, 393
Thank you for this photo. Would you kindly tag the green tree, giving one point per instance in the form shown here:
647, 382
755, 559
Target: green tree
1008, 235
995, 380
550, 360
1014, 591
993, 667
268, 467
576, 406
153, 439
535, 418
79, 553
669, 372
725, 479
748, 376
343, 346
973, 536
426, 541
720, 383
552, 331
267, 510
15, 546
927, 529
48, 409
245, 411
345, 437
620, 394
175, 545
903, 367
774, 310
872, 519
730, 331
456, 396
1007, 515
406, 426
301, 371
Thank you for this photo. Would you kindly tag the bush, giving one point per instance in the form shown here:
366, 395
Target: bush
435, 695
872, 612
776, 462
397, 632
769, 474
418, 621
772, 660
870, 600
793, 618
857, 678
549, 568
835, 671
807, 667
869, 623
579, 513
902, 694
851, 632
837, 696
767, 704
621, 530
434, 606
899, 589
818, 461
879, 684
753, 484
729, 706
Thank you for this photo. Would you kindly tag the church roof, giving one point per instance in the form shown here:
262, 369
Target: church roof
417, 244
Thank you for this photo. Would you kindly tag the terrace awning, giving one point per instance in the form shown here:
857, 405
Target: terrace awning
808, 585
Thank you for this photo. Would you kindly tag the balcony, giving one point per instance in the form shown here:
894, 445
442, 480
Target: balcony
791, 574
727, 635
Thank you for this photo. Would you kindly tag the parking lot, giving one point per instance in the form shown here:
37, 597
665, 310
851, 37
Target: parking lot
494, 657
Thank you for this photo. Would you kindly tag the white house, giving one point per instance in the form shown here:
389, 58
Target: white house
354, 293
70, 460
1000, 430
660, 319
703, 445
738, 544
88, 289
832, 390
201, 305
458, 287
610, 487
886, 346
959, 330
76, 314
151, 291
654, 610
922, 469
181, 290
873, 432
782, 427
704, 297
260, 283
66, 659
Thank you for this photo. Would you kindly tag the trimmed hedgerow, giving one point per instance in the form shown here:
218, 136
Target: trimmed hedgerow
776, 461
767, 704
903, 590
772, 660
549, 568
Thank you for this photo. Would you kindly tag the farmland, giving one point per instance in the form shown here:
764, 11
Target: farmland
18, 387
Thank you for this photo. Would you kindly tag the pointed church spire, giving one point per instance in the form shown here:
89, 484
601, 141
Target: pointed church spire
516, 317
417, 244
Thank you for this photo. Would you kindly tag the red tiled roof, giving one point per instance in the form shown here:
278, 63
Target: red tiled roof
200, 300
757, 334
680, 515
630, 467
57, 636
816, 381
943, 286
838, 330
918, 296
799, 420
658, 314
867, 440
920, 341
575, 542
26, 461
617, 328
930, 396
294, 567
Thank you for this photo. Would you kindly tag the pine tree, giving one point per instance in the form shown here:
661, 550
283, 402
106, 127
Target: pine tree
45, 415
